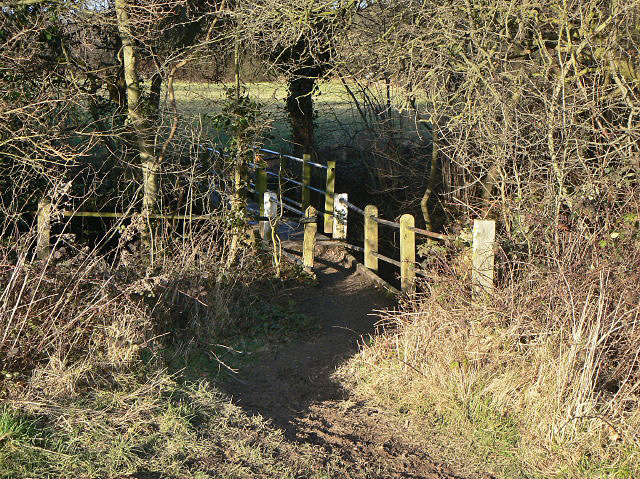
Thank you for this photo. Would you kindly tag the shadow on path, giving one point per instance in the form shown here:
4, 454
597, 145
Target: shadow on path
281, 385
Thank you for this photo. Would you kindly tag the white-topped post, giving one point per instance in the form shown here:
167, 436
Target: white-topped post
484, 235
270, 205
340, 212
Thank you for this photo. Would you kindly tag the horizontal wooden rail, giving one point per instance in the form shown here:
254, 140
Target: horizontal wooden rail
295, 158
277, 155
296, 182
293, 202
387, 222
107, 214
386, 259
353, 207
430, 234
291, 208
317, 190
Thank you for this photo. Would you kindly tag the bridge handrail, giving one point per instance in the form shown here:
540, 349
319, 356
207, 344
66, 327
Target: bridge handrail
335, 224
295, 158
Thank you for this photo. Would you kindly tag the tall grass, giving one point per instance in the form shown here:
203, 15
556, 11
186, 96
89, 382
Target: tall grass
542, 381
85, 340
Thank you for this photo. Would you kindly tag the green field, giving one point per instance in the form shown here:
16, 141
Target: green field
337, 119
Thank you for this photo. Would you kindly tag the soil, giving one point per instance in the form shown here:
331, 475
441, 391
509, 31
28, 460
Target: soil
295, 389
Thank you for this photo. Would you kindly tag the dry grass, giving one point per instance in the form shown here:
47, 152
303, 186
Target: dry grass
83, 343
541, 382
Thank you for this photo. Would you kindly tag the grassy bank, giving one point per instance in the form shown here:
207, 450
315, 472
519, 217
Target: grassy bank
540, 383
144, 424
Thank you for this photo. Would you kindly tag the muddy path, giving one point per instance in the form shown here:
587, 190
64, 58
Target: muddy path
295, 389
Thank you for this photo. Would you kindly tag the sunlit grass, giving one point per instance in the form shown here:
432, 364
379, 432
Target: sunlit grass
337, 121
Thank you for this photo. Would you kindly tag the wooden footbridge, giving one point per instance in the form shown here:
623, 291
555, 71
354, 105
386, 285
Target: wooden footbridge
334, 217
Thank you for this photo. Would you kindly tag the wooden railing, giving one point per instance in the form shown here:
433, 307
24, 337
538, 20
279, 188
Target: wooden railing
335, 223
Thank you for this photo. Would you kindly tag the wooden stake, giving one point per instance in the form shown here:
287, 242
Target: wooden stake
306, 180
261, 182
370, 237
329, 197
270, 206
407, 253
44, 228
484, 235
340, 211
309, 241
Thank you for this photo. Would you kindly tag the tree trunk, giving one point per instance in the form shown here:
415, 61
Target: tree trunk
240, 176
140, 123
154, 95
300, 108
431, 185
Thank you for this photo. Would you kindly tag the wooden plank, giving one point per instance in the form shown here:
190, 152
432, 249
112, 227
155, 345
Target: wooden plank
306, 180
407, 253
431, 234
484, 235
340, 213
329, 197
43, 246
309, 241
370, 237
386, 259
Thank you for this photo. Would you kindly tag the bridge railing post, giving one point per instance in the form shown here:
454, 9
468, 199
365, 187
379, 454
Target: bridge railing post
270, 207
340, 212
407, 253
329, 197
306, 180
261, 182
482, 259
309, 241
43, 246
370, 237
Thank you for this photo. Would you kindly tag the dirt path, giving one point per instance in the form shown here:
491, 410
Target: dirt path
294, 387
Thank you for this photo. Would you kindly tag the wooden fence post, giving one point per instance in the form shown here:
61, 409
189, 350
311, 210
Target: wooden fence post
484, 235
340, 211
370, 237
309, 241
306, 181
270, 206
328, 199
407, 253
261, 182
44, 229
